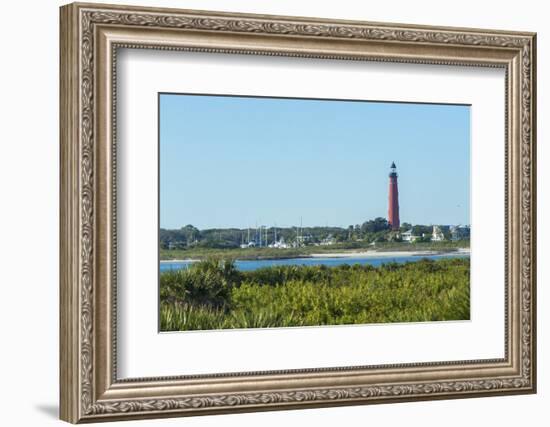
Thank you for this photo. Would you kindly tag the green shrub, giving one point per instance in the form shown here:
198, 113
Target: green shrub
207, 283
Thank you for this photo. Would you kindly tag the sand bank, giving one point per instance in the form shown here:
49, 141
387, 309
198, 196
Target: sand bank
388, 254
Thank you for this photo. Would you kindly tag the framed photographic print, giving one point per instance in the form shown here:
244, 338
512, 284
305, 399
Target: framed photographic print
265, 212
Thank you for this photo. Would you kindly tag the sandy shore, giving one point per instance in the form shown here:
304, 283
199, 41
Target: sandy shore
388, 254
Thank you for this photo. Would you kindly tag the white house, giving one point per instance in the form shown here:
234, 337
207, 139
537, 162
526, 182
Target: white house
460, 232
280, 244
437, 234
329, 240
408, 236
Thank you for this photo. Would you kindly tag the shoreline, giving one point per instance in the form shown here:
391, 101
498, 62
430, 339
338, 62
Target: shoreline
389, 254
350, 255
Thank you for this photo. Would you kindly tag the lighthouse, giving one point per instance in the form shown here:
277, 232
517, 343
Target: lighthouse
393, 199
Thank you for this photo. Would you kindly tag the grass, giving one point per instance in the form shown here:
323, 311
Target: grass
274, 253
214, 295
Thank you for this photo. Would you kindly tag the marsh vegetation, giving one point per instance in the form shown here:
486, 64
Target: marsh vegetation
213, 294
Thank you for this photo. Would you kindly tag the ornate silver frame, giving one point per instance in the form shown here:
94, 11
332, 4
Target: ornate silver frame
90, 36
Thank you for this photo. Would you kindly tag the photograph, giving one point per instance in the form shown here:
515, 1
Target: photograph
296, 212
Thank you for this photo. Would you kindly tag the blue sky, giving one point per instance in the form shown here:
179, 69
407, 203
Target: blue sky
240, 161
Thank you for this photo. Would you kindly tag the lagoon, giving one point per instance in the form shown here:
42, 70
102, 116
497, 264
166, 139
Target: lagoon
250, 265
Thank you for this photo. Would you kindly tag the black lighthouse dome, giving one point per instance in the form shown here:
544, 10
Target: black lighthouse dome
393, 170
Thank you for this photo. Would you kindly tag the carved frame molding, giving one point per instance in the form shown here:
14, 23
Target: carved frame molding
90, 35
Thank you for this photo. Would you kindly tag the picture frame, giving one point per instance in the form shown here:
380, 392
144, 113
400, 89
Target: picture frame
91, 37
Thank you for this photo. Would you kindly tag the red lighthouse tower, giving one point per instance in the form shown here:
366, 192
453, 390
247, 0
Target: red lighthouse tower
393, 200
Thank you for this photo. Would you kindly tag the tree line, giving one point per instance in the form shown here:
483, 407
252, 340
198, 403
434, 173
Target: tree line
374, 230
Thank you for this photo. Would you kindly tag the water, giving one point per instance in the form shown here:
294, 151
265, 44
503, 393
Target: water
249, 265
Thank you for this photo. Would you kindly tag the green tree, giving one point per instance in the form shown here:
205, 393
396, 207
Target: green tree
375, 225
405, 226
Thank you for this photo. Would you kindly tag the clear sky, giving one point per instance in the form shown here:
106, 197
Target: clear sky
239, 161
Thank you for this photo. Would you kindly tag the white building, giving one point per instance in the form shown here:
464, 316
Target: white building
437, 234
329, 240
408, 236
460, 232
280, 244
